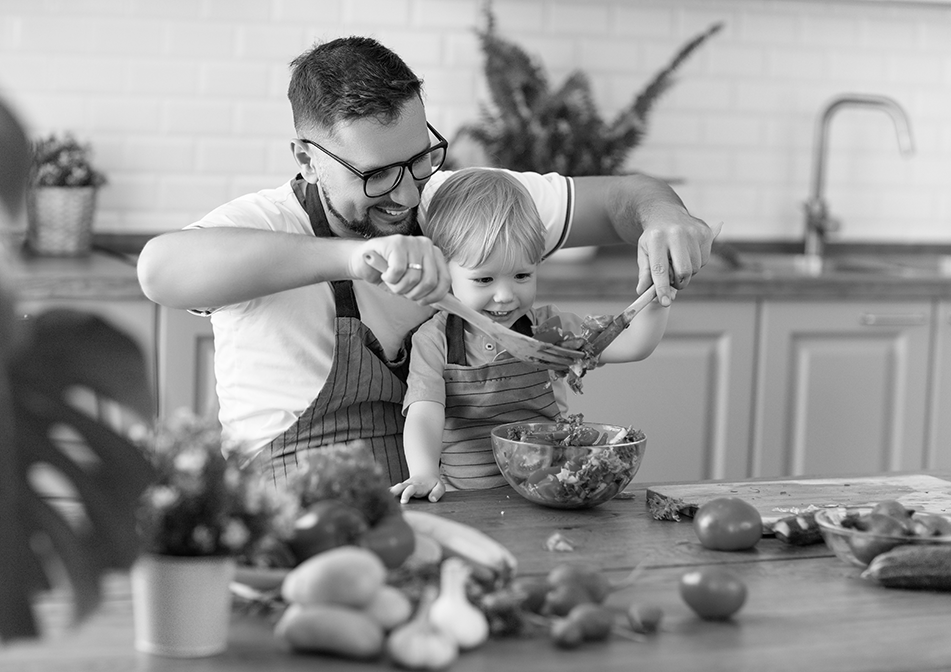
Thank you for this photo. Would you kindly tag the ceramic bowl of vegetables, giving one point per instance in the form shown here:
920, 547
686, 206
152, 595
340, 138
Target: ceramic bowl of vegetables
568, 465
858, 534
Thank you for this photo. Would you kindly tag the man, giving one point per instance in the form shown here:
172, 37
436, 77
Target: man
314, 286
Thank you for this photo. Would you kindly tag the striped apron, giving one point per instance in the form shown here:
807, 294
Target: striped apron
363, 395
480, 397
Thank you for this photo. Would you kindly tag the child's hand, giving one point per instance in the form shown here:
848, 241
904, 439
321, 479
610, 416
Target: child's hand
419, 486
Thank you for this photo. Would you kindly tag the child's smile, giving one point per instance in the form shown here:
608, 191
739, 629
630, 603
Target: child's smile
503, 288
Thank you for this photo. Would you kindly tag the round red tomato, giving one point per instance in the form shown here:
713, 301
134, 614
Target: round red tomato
324, 525
391, 538
714, 593
526, 460
728, 524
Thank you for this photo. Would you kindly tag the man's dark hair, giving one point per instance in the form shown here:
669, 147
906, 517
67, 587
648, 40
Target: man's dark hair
349, 78
15, 158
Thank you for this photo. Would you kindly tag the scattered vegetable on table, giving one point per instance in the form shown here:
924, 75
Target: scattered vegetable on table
714, 593
728, 524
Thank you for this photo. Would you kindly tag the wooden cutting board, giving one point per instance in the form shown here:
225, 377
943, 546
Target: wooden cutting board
778, 499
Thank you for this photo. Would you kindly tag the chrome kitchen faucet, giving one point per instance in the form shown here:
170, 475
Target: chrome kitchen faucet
818, 221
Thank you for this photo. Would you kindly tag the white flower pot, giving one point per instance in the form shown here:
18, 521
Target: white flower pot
182, 606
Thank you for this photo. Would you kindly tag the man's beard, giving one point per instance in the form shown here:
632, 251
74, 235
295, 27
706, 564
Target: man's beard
367, 229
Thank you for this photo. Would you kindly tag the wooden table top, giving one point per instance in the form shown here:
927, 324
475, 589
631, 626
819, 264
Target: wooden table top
806, 610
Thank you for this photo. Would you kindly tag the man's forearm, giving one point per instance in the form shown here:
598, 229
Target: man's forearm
617, 209
203, 268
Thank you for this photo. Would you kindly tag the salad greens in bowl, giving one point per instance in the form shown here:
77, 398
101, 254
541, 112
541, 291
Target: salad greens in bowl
568, 465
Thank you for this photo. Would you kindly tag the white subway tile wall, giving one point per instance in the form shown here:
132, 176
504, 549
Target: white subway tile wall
184, 100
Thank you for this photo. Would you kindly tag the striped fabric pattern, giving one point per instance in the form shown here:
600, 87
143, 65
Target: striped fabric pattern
361, 400
479, 398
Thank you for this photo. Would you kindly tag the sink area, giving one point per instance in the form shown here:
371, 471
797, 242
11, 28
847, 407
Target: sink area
836, 263
908, 266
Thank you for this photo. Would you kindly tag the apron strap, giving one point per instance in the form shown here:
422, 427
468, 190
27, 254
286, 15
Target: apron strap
456, 339
309, 198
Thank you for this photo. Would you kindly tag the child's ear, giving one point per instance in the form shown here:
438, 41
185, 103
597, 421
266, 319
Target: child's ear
304, 159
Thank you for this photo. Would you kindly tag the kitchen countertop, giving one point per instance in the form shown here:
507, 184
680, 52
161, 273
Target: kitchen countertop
738, 272
773, 273
806, 609
101, 275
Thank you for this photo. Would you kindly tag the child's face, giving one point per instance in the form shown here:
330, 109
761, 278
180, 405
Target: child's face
500, 289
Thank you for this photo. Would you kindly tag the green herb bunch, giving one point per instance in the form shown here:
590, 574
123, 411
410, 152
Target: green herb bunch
60, 160
530, 127
348, 473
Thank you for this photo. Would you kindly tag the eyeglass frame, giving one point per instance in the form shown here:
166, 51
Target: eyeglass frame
402, 165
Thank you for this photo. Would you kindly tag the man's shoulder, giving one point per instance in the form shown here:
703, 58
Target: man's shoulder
275, 208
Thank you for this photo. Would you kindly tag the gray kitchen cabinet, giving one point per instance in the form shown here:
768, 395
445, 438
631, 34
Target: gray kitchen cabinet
841, 387
692, 397
938, 454
186, 348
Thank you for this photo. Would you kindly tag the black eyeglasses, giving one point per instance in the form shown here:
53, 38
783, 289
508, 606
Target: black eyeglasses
381, 181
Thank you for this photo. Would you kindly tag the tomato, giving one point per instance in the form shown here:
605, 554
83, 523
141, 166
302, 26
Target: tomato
714, 593
551, 489
549, 331
728, 524
324, 525
893, 508
865, 543
526, 460
391, 538
540, 475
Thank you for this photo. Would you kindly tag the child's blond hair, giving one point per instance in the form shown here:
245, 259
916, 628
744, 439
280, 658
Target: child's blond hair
479, 210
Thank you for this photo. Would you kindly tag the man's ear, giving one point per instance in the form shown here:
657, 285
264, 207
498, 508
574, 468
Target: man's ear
304, 160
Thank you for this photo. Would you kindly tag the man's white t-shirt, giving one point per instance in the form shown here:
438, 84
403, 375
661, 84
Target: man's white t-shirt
273, 354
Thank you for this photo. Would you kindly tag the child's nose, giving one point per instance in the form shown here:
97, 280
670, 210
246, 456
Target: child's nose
503, 293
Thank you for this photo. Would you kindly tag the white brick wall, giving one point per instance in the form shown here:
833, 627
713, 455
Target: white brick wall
184, 100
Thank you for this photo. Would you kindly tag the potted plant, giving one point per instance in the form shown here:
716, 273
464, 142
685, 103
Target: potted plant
202, 511
61, 201
531, 127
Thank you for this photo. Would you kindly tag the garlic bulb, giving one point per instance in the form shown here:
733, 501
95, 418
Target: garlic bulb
452, 611
418, 644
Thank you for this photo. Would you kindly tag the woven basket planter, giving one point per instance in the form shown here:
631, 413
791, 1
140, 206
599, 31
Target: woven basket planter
61, 220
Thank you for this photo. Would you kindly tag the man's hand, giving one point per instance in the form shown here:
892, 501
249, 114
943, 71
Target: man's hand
670, 255
409, 266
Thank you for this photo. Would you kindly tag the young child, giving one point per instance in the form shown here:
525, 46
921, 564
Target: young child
460, 385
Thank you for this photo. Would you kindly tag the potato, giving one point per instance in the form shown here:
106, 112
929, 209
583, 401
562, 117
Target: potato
390, 607
346, 575
331, 629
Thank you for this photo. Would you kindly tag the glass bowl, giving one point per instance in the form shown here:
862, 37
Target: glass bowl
565, 465
858, 547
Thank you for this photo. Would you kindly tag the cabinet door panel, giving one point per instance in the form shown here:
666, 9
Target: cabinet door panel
841, 388
692, 397
939, 434
186, 363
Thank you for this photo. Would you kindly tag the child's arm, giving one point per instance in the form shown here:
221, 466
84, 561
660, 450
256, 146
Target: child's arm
422, 444
641, 336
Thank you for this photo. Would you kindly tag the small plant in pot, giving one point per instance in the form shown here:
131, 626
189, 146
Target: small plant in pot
62, 199
202, 512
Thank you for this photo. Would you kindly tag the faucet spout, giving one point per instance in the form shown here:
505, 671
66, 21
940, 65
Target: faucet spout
818, 222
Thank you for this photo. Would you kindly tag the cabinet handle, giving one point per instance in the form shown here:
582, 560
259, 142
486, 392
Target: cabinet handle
908, 320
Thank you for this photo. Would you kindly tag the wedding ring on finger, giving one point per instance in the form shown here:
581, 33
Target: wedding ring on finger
415, 267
